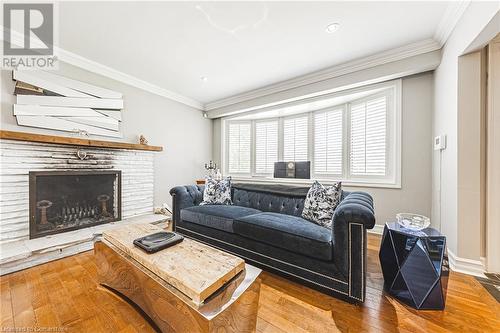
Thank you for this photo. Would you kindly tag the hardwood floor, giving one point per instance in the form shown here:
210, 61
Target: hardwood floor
62, 296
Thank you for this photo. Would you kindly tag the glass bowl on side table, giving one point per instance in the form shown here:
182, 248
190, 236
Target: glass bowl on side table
415, 266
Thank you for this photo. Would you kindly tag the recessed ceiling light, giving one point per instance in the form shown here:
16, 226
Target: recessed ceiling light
332, 27
204, 78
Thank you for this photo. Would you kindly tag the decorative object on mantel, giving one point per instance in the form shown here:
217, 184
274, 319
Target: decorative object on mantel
143, 140
23, 136
82, 155
46, 100
80, 132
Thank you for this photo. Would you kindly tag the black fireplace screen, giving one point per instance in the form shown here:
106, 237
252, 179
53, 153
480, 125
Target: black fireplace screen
69, 200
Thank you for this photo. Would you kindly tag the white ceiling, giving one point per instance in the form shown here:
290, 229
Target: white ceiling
238, 46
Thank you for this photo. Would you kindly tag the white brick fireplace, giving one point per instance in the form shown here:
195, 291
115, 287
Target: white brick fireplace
18, 158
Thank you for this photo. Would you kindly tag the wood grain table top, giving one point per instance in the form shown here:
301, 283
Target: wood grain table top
195, 269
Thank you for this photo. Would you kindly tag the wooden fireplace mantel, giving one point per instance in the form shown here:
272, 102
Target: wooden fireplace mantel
22, 136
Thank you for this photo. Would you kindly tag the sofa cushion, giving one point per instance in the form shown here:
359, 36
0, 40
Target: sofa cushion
321, 202
217, 191
216, 216
288, 232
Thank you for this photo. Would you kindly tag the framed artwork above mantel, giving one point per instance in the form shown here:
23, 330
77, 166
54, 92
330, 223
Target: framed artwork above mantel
50, 101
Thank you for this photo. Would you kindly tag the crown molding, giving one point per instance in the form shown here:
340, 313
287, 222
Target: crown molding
450, 18
100, 69
399, 53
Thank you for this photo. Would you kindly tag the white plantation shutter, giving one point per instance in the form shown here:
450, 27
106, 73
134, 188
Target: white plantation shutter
295, 139
368, 137
357, 141
239, 147
266, 146
328, 142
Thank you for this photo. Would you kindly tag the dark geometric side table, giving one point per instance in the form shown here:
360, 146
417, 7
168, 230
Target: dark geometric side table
415, 266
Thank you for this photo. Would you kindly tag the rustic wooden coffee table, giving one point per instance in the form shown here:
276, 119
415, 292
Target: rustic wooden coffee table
189, 287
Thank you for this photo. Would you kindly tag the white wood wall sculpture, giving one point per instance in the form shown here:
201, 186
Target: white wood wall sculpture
63, 104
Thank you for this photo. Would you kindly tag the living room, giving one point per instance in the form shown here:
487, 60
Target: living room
250, 166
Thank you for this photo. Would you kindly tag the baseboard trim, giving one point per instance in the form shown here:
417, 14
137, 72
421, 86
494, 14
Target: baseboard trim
466, 266
378, 229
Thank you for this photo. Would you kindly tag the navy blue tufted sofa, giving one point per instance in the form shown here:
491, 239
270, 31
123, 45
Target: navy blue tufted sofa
264, 227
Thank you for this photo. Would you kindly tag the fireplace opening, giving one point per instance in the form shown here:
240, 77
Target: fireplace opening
68, 200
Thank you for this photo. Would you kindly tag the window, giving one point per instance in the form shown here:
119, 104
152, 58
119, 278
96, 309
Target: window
368, 137
266, 146
328, 142
239, 138
295, 139
354, 138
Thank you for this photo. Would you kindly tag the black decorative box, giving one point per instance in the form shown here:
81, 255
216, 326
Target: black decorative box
301, 170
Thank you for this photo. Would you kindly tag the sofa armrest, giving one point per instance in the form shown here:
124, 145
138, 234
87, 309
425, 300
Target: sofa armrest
356, 207
353, 216
183, 197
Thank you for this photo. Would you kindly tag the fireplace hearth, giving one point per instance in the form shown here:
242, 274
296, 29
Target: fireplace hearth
68, 200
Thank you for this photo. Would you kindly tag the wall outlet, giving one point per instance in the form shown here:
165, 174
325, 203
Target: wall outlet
440, 142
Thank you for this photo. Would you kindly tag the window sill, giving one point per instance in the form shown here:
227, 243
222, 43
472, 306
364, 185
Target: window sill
308, 182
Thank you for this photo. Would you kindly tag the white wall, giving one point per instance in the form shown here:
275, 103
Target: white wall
182, 131
415, 193
444, 188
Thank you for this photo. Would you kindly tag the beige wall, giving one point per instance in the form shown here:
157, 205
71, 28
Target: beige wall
493, 158
471, 155
182, 131
415, 193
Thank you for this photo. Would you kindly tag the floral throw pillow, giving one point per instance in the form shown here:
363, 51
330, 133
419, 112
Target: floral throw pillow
321, 202
217, 192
